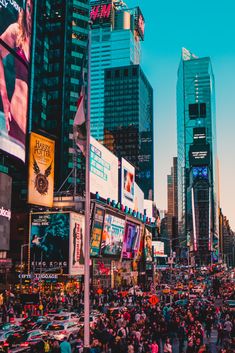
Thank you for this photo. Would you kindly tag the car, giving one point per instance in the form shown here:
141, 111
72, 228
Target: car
4, 335
33, 322
93, 320
69, 329
64, 316
25, 338
7, 326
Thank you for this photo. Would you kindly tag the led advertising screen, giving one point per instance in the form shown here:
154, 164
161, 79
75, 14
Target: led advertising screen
158, 248
49, 242
127, 184
103, 171
15, 39
101, 12
199, 135
112, 236
131, 240
41, 170
76, 247
199, 155
138, 199
96, 232
139, 246
148, 245
5, 210
139, 23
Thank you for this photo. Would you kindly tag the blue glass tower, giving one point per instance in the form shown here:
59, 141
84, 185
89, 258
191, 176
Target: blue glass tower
197, 155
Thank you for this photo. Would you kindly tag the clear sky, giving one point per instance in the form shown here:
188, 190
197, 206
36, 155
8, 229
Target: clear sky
206, 28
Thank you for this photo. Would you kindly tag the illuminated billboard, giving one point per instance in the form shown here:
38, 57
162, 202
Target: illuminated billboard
199, 135
15, 39
199, 155
113, 233
96, 232
127, 184
148, 245
76, 247
41, 170
103, 171
57, 242
49, 242
158, 248
5, 210
131, 240
138, 199
139, 23
101, 12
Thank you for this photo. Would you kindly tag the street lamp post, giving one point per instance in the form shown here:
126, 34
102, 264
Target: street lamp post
21, 263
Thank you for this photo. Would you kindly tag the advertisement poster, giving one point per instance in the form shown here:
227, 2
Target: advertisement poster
96, 232
158, 248
41, 170
139, 245
148, 245
104, 171
131, 240
5, 210
49, 242
139, 199
76, 248
127, 184
15, 46
113, 233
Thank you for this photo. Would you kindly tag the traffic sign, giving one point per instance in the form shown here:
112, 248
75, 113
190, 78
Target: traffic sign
153, 300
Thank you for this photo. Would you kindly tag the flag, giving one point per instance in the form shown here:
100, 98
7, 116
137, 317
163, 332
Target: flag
79, 124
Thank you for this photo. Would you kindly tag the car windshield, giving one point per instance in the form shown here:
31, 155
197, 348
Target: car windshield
5, 327
56, 327
61, 318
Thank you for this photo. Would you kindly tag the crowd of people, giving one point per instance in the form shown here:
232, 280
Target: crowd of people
131, 324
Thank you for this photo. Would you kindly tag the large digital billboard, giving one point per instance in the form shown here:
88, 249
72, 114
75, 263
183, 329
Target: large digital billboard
103, 171
158, 248
112, 236
76, 248
138, 199
5, 210
127, 184
96, 232
49, 242
148, 245
199, 155
41, 170
131, 240
15, 39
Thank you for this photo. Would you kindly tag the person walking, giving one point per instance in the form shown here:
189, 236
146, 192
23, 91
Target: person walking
65, 346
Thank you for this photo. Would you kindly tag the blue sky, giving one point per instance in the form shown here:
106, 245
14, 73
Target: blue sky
207, 28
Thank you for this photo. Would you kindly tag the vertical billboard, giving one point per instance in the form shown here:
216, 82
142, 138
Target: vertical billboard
41, 170
76, 247
158, 248
131, 240
96, 231
49, 242
127, 184
148, 245
5, 210
138, 199
103, 171
15, 47
112, 236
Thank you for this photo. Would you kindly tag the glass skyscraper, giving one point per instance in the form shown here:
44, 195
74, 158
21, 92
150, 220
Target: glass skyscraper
197, 154
128, 121
115, 42
61, 34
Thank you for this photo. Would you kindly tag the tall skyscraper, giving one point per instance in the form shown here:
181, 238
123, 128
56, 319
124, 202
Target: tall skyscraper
196, 143
61, 33
116, 35
172, 206
128, 121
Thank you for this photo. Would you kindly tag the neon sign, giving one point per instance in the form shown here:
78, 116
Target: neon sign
100, 12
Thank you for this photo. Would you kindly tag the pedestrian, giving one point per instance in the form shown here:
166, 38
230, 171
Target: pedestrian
167, 346
154, 347
65, 346
55, 347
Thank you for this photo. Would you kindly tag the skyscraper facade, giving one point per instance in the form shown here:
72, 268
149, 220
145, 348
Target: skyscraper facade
60, 38
197, 155
116, 41
172, 206
128, 121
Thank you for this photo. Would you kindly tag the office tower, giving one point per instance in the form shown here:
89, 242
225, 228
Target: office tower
128, 121
117, 32
196, 144
60, 38
172, 206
